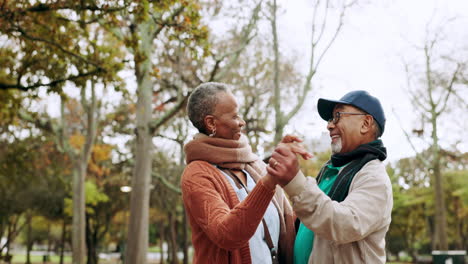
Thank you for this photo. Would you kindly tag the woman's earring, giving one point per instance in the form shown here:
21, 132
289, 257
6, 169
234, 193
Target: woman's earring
213, 133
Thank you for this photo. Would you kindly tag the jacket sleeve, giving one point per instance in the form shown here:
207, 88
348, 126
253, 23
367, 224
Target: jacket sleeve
227, 228
366, 208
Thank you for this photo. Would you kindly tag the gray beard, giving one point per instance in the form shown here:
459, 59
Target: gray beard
336, 147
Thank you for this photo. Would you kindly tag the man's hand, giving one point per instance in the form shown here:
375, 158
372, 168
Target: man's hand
293, 143
283, 165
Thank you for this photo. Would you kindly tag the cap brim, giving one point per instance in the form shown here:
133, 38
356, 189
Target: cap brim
325, 108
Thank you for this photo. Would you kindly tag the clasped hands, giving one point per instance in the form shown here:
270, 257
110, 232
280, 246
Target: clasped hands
283, 164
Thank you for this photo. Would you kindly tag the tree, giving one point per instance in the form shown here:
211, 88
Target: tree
48, 45
140, 26
149, 30
319, 46
411, 212
414, 214
438, 85
31, 184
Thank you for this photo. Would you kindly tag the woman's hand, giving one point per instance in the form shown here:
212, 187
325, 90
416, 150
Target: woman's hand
293, 143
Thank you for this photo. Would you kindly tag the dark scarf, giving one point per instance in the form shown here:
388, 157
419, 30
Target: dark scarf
355, 159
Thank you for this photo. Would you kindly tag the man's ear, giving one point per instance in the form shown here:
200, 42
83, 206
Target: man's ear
209, 121
366, 126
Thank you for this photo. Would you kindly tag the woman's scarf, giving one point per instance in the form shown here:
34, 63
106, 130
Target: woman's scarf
229, 154
226, 153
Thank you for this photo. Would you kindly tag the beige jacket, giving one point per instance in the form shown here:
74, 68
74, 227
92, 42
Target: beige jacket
352, 231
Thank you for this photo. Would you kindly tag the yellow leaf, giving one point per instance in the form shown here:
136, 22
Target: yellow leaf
77, 141
101, 152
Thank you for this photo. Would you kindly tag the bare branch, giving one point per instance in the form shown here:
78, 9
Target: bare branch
322, 29
246, 37
408, 138
430, 84
416, 99
449, 90
313, 68
461, 99
332, 40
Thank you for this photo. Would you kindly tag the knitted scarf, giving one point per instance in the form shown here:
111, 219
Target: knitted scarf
355, 159
225, 153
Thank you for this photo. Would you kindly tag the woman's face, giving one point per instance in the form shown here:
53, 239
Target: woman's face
226, 119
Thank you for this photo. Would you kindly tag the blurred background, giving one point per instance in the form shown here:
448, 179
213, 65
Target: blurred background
93, 121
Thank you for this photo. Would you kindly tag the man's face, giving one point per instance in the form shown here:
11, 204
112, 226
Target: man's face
346, 133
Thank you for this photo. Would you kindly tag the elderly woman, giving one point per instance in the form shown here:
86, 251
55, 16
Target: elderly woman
236, 212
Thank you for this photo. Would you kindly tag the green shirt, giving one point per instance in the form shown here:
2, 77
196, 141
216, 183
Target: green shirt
305, 237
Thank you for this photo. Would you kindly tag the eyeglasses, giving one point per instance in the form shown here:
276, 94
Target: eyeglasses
338, 115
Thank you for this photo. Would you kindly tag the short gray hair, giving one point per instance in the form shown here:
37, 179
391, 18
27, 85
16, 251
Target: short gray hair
377, 130
202, 102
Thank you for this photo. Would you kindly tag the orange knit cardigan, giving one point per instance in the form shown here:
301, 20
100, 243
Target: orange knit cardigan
221, 225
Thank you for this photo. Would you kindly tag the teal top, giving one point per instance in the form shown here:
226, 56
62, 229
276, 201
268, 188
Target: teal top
305, 237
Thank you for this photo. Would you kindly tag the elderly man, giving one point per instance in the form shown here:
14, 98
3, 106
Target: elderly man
346, 211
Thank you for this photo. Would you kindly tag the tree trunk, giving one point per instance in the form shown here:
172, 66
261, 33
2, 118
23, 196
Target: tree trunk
186, 240
78, 227
49, 239
440, 215
173, 239
458, 223
277, 95
91, 243
2, 229
79, 174
137, 245
29, 242
7, 245
62, 240
162, 238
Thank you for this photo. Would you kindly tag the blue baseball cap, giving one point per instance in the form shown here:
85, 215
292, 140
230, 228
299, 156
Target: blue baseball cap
360, 99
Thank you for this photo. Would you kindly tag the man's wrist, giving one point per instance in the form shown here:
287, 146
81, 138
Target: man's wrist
296, 185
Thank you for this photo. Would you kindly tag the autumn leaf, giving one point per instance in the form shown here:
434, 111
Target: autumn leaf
77, 141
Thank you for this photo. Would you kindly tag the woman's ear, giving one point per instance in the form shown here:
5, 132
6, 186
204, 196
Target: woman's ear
209, 121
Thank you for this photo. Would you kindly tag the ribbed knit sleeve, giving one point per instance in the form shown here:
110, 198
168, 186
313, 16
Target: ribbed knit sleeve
206, 198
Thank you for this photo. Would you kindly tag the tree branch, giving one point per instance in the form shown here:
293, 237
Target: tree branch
167, 184
156, 124
332, 40
38, 8
167, 22
449, 90
19, 86
27, 36
246, 38
418, 155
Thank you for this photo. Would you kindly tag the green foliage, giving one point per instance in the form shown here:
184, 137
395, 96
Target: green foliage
312, 167
414, 207
93, 197
51, 43
458, 184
